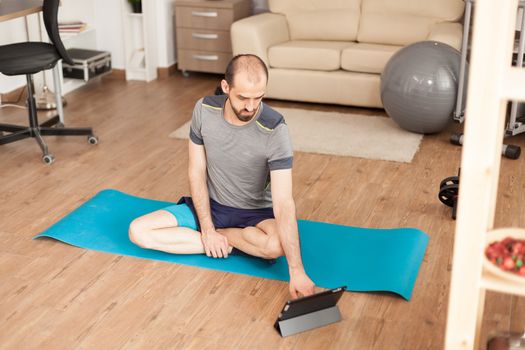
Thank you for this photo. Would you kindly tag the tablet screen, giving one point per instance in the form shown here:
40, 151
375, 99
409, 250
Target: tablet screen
311, 303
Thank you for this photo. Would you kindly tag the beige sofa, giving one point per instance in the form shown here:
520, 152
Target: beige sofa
333, 51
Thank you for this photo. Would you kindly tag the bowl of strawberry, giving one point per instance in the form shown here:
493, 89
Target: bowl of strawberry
505, 253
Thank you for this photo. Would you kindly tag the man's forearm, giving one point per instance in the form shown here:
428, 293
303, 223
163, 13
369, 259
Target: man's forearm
201, 202
289, 235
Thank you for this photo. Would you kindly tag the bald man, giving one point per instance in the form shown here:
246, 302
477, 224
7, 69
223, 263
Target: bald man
238, 146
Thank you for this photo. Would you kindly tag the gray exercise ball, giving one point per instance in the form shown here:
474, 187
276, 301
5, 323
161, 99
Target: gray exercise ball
419, 86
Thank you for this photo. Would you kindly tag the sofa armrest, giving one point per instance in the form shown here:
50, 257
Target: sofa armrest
450, 33
256, 34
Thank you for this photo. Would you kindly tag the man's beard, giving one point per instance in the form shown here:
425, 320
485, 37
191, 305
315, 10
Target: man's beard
243, 117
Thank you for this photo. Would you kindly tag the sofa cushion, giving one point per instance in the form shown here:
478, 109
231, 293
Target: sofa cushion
302, 54
341, 87
403, 22
320, 19
367, 58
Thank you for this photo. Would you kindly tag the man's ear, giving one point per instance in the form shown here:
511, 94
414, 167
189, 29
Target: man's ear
225, 87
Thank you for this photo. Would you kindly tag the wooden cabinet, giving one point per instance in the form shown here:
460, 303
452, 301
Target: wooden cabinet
203, 32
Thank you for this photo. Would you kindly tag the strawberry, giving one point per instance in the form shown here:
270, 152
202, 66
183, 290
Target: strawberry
508, 263
517, 247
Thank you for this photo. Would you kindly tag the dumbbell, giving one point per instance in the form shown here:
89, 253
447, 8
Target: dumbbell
448, 193
508, 151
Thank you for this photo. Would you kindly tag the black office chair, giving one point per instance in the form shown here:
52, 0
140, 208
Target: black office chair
27, 59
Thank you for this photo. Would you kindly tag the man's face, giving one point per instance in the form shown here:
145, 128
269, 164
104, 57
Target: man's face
245, 95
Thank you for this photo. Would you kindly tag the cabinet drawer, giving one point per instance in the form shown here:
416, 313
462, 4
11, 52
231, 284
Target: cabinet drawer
200, 39
203, 61
207, 18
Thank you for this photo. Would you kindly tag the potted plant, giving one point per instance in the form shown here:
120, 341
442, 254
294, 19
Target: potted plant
136, 5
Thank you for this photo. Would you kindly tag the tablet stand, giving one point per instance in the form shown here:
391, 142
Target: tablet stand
309, 321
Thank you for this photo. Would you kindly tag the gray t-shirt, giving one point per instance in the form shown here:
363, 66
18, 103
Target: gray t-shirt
239, 158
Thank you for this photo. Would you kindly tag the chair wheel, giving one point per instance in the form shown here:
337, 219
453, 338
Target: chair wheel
93, 140
48, 159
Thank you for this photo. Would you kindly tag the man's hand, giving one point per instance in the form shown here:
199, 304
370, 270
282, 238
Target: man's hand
215, 244
300, 284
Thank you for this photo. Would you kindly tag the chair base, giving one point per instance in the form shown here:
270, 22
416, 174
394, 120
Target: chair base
51, 127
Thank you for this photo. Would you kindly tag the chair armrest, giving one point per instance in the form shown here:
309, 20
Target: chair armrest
256, 34
450, 33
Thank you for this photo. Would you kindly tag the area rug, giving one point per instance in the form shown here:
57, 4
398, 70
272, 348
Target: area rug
343, 134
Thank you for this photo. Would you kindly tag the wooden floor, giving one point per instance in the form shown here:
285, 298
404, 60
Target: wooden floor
54, 296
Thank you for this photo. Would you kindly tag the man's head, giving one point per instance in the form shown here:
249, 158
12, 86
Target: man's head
245, 84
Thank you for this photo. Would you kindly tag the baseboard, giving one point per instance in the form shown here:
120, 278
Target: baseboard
162, 72
15, 96
165, 72
119, 74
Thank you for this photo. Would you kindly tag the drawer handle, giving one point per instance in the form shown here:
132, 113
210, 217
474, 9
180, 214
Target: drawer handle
205, 36
204, 14
206, 57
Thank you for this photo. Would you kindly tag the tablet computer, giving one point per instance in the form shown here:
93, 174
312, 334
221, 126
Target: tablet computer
310, 305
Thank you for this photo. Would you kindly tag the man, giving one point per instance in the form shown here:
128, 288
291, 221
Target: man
238, 146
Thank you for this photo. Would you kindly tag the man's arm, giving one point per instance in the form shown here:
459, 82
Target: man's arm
215, 244
284, 211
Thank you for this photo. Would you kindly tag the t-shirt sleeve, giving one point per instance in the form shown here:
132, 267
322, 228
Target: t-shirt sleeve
280, 153
196, 124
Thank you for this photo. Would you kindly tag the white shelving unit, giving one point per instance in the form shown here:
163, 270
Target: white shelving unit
492, 83
140, 41
71, 10
86, 39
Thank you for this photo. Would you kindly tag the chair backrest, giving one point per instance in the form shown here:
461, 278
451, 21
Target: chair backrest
50, 13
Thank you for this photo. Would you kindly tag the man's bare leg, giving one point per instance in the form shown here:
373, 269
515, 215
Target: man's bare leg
159, 230
261, 241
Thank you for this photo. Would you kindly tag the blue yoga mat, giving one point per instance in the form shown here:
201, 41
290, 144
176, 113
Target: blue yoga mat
363, 259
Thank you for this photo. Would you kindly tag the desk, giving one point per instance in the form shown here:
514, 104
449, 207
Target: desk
11, 9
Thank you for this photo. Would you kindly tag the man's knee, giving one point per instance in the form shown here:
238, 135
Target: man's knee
138, 233
273, 248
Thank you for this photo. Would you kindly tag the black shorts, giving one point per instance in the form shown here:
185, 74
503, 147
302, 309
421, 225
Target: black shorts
224, 216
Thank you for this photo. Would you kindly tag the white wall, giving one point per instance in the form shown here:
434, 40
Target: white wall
105, 16
108, 21
165, 33
74, 10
